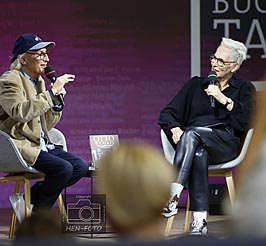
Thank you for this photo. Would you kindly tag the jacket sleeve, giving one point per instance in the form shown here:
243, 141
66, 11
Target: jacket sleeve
244, 107
176, 112
17, 104
52, 117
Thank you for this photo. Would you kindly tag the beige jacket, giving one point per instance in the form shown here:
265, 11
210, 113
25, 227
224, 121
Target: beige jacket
23, 106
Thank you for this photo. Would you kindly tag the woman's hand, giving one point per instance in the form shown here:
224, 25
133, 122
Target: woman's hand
214, 90
177, 133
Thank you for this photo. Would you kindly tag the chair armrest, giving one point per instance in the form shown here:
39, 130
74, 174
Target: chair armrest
58, 138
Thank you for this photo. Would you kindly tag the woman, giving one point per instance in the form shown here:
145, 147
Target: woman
205, 123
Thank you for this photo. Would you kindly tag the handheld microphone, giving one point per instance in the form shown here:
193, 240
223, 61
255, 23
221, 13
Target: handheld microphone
51, 75
212, 78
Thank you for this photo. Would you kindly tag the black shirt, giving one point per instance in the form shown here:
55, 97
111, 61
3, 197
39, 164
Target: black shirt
191, 107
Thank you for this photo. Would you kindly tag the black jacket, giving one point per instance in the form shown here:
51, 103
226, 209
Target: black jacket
191, 107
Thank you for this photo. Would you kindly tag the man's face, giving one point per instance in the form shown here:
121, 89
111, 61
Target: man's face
223, 64
35, 62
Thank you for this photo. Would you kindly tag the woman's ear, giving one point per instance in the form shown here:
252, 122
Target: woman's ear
235, 68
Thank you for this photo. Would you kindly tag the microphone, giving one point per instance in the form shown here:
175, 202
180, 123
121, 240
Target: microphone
51, 75
212, 78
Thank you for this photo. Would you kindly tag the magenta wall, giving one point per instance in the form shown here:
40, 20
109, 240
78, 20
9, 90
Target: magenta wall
129, 58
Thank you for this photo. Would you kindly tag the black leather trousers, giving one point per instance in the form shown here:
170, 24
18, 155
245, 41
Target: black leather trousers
198, 148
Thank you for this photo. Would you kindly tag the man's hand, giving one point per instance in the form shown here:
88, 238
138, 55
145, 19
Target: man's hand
58, 86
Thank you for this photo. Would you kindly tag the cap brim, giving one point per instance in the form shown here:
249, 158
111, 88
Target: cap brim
42, 45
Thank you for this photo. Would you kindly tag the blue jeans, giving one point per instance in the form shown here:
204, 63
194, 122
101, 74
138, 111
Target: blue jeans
61, 170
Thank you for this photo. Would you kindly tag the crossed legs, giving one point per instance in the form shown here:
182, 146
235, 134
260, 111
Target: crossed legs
197, 148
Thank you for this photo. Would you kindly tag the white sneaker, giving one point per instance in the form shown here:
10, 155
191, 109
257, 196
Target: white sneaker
199, 227
18, 204
171, 208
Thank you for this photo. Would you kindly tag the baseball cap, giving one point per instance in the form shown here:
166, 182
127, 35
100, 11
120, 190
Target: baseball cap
29, 41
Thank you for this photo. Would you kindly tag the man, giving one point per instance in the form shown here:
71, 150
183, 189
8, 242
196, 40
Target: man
204, 133
27, 112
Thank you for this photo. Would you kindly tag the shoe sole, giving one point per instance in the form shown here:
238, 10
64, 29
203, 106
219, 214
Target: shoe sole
203, 233
168, 215
198, 234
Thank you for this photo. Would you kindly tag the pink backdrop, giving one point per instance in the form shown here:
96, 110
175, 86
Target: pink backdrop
126, 55
129, 56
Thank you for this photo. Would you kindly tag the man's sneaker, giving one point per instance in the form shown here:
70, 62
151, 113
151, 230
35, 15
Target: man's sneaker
171, 208
18, 204
199, 227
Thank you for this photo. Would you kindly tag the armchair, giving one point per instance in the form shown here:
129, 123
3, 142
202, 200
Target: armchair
19, 171
222, 169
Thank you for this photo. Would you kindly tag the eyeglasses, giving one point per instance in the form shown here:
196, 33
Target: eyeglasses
39, 55
220, 62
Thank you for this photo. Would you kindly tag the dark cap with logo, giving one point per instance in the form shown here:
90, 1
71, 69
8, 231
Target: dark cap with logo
27, 42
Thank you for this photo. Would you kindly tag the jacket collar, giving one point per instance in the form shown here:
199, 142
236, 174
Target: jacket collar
233, 82
34, 81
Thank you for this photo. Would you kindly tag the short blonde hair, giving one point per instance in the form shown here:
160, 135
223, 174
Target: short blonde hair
239, 50
136, 179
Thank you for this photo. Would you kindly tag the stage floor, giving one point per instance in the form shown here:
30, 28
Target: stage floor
216, 225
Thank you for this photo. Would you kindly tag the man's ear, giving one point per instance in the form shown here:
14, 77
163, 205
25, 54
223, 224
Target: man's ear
22, 60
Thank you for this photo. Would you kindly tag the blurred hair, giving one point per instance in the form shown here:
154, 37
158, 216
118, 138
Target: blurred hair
136, 179
259, 135
42, 224
239, 50
248, 217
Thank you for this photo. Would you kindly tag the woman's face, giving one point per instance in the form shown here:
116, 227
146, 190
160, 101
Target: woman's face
223, 64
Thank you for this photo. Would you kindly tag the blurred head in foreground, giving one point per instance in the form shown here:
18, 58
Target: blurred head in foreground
248, 214
135, 178
43, 224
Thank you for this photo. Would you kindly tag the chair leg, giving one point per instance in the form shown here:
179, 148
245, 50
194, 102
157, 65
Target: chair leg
168, 226
188, 216
13, 216
27, 197
62, 208
230, 186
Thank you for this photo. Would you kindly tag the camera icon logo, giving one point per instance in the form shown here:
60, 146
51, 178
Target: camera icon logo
84, 212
